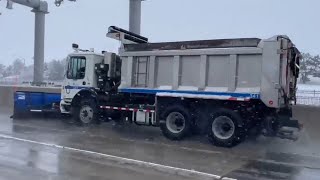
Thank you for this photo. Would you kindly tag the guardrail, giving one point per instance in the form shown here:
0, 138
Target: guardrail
308, 97
26, 83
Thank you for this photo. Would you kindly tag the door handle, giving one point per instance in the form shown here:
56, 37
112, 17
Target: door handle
84, 83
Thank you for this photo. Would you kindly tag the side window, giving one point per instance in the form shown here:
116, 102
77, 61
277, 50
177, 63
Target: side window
68, 71
76, 68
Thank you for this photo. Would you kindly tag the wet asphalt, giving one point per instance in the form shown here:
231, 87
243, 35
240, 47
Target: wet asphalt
256, 158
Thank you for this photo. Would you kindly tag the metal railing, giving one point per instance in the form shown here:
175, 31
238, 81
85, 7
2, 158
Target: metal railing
308, 97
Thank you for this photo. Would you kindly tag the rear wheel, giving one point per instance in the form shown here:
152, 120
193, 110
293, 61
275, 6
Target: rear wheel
177, 123
86, 113
224, 128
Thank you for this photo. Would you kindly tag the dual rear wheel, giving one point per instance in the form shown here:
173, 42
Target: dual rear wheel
224, 126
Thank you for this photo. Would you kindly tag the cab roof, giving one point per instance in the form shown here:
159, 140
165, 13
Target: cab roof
80, 53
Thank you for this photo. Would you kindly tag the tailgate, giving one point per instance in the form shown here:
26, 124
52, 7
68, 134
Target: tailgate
289, 71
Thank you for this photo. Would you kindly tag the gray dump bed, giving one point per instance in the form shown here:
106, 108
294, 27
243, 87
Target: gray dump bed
225, 69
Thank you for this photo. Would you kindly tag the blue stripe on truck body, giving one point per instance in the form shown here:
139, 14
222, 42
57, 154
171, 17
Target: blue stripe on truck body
155, 91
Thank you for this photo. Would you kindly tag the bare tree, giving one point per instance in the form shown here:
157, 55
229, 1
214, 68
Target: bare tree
2, 70
17, 66
55, 70
309, 66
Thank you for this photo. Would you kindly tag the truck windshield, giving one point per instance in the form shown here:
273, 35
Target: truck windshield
76, 68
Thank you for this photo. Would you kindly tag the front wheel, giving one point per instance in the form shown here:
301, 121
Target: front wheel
225, 129
86, 113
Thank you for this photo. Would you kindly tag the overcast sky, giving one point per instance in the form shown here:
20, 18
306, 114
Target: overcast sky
86, 21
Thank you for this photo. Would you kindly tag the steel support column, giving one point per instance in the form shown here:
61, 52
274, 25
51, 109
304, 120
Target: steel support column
40, 8
135, 16
39, 34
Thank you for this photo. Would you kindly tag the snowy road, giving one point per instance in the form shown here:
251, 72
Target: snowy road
40, 148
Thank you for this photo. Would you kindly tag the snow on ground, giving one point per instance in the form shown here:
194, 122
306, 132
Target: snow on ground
308, 87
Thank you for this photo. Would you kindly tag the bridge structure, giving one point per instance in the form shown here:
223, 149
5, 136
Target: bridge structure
40, 9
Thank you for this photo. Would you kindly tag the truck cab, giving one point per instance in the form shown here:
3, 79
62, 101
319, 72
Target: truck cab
86, 69
83, 72
79, 75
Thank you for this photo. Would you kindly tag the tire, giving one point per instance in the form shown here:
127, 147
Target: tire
177, 124
224, 128
87, 113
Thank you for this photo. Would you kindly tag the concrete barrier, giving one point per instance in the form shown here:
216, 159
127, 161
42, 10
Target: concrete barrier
7, 93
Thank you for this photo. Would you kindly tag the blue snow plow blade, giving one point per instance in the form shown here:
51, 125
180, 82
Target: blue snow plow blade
27, 102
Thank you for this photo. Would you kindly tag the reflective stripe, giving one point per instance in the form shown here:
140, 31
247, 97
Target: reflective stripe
127, 109
34, 110
192, 94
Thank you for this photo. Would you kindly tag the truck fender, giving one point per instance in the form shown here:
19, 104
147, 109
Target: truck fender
85, 94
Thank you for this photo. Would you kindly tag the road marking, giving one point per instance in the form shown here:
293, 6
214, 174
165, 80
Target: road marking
171, 145
201, 150
226, 178
160, 167
127, 139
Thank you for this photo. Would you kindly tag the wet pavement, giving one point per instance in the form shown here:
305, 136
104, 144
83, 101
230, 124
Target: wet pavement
256, 158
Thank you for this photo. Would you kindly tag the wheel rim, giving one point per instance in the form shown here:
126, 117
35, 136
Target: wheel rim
86, 114
223, 127
175, 122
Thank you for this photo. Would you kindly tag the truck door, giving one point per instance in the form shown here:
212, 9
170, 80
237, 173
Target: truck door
76, 76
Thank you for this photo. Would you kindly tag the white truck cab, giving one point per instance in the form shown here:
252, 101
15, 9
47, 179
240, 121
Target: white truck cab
81, 68
79, 74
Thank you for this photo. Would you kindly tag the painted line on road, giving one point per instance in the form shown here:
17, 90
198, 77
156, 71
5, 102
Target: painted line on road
226, 178
173, 146
160, 167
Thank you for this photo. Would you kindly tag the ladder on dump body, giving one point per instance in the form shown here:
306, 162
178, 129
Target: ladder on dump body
141, 72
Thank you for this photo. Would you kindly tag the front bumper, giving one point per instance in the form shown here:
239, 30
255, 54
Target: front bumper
65, 107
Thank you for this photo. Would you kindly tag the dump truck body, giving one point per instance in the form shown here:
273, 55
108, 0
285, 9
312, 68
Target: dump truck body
239, 69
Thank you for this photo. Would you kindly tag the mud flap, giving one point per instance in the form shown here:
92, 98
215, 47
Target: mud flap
288, 122
288, 127
282, 126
